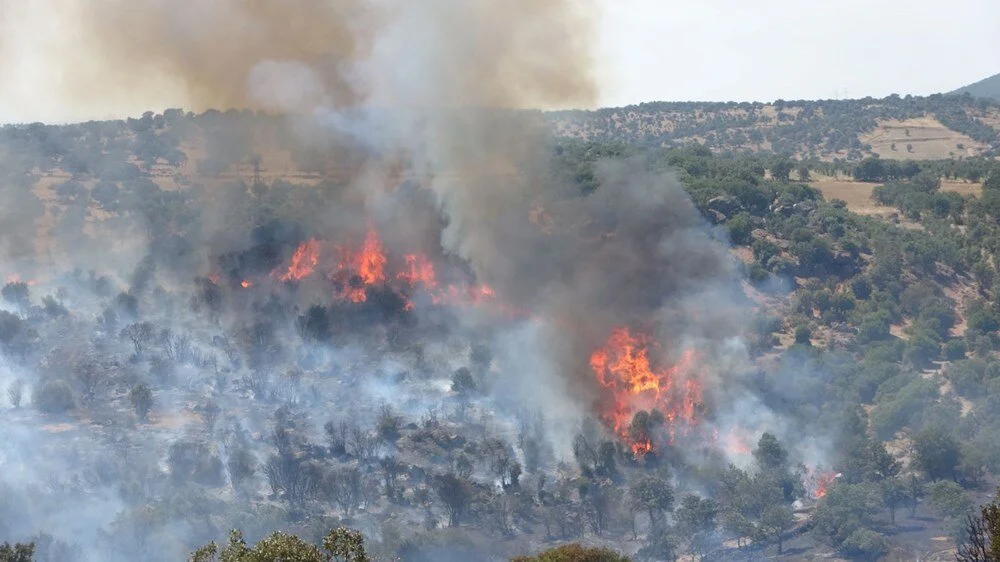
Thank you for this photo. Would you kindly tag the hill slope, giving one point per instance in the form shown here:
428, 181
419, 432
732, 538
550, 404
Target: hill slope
985, 88
910, 128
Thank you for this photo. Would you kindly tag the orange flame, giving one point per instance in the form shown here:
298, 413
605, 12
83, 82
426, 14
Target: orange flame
822, 480
371, 261
369, 265
246, 284
304, 261
623, 367
16, 278
642, 447
419, 270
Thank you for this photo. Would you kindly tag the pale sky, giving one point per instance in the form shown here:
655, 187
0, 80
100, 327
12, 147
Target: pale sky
705, 50
761, 50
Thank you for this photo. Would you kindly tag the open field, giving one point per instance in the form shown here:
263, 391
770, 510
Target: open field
930, 140
857, 195
962, 187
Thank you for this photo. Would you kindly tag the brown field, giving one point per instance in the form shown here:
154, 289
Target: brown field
930, 139
962, 187
856, 194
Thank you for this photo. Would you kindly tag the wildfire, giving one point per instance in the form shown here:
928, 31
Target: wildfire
371, 260
821, 482
368, 266
419, 271
16, 278
623, 367
304, 261
737, 443
246, 284
642, 447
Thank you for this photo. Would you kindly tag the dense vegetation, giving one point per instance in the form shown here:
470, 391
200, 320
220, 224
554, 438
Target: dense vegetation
825, 129
881, 337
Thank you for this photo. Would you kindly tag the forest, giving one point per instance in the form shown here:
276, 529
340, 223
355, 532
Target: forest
222, 337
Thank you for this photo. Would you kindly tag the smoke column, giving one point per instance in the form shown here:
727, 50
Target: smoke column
445, 86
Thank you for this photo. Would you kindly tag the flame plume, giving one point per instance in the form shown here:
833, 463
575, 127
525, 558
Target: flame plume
420, 271
623, 367
304, 261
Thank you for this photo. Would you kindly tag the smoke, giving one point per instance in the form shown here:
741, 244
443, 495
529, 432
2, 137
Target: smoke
442, 93
433, 106
302, 54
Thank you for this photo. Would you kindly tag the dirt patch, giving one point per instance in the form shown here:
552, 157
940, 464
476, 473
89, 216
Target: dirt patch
923, 138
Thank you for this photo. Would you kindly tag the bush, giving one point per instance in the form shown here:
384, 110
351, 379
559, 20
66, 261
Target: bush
195, 461
865, 544
54, 398
955, 350
948, 499
141, 398
803, 335
574, 553
921, 350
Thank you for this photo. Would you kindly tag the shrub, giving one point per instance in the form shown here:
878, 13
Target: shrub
955, 350
574, 553
803, 335
54, 397
865, 544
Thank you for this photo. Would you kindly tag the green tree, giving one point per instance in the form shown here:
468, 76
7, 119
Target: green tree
937, 453
574, 553
893, 496
696, 519
652, 494
769, 453
948, 499
774, 521
781, 169
17, 552
340, 545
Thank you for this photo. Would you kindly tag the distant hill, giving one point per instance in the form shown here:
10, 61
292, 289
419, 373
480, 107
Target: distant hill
985, 88
900, 128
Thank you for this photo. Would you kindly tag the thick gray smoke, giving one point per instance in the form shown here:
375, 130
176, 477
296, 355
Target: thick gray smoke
425, 108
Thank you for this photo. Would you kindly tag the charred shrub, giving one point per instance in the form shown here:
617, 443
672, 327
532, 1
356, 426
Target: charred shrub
195, 461
54, 397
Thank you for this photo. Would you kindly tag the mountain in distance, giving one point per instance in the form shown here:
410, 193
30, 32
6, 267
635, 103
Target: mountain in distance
985, 88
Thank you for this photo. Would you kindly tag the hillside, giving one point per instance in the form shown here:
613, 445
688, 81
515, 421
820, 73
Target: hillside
985, 88
229, 321
898, 128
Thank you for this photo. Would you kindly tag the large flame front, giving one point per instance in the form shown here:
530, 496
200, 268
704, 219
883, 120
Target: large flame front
358, 269
623, 367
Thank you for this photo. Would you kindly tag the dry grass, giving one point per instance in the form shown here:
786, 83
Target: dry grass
962, 187
857, 195
929, 138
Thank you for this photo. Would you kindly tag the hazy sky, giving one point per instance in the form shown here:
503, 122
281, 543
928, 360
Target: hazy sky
650, 50
795, 49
